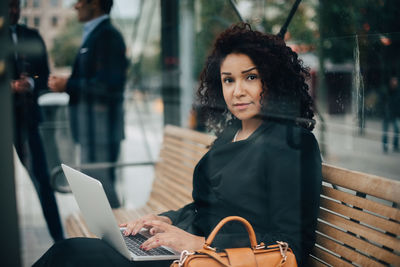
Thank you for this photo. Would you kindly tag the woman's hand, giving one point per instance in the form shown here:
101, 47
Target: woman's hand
132, 228
173, 237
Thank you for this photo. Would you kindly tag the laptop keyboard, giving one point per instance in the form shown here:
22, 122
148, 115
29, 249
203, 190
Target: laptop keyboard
133, 243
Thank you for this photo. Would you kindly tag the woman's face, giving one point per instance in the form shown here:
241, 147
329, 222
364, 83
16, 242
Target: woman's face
241, 86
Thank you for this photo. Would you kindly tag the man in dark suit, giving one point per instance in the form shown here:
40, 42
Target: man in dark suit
30, 75
96, 88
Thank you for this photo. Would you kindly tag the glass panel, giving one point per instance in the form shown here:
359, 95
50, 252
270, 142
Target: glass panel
352, 57
351, 48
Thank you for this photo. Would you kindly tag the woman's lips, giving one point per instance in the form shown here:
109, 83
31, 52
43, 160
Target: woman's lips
241, 106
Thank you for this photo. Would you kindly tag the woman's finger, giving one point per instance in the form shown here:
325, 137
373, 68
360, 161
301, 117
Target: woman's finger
155, 230
129, 227
153, 242
143, 223
161, 226
148, 221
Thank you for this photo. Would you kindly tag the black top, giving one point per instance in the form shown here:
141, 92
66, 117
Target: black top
273, 179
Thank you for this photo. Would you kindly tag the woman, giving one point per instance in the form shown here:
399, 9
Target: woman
264, 166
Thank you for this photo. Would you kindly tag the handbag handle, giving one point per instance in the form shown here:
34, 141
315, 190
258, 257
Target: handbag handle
249, 228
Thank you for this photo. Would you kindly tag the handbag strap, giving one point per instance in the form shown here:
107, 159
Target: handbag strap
249, 228
214, 255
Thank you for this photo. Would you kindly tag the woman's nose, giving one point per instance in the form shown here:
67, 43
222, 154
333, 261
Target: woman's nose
238, 90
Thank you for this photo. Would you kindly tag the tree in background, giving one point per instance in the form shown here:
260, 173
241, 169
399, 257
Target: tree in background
66, 44
213, 17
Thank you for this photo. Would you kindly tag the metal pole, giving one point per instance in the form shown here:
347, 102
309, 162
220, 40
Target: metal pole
170, 61
288, 19
9, 231
234, 6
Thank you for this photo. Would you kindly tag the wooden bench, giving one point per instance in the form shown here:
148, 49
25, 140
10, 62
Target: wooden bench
359, 219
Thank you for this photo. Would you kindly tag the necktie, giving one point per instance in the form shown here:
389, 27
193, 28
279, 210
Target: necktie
14, 35
14, 38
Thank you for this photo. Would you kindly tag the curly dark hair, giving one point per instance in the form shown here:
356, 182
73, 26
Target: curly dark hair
284, 93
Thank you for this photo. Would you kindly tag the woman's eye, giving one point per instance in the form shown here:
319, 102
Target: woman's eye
252, 77
228, 80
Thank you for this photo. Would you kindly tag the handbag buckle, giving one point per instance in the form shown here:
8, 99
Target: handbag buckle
184, 255
260, 246
283, 247
211, 248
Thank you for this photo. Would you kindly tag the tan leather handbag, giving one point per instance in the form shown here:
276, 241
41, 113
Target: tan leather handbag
258, 255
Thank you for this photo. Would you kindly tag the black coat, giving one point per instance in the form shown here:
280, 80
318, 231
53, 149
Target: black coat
96, 87
272, 179
32, 60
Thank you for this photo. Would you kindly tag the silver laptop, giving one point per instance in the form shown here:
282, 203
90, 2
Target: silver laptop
96, 211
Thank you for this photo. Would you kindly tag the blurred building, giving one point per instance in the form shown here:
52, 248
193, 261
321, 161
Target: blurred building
48, 16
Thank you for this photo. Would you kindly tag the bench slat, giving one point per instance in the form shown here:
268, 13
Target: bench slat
357, 243
158, 203
73, 227
366, 183
329, 258
83, 228
372, 220
169, 199
156, 208
169, 175
315, 263
175, 174
122, 216
142, 211
178, 165
191, 135
172, 193
168, 172
359, 229
363, 203
201, 150
188, 161
181, 151
345, 252
178, 189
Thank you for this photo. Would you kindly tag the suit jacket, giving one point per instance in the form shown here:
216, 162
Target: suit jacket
96, 87
29, 57
273, 179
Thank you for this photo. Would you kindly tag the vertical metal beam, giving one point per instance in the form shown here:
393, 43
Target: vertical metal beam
9, 231
187, 58
170, 61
